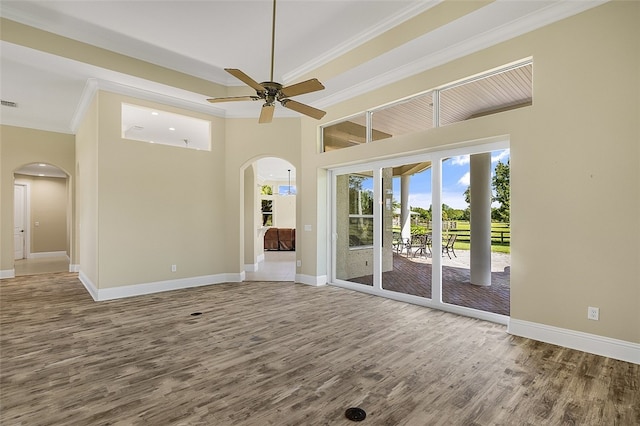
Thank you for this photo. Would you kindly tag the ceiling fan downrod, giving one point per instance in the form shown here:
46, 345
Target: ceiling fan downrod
273, 39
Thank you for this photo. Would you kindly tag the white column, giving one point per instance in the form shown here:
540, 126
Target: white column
405, 217
480, 204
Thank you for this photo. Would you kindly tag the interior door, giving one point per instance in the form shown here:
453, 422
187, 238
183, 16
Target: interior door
19, 202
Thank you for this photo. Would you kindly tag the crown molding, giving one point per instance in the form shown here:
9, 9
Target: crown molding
348, 45
540, 18
73, 28
89, 91
93, 85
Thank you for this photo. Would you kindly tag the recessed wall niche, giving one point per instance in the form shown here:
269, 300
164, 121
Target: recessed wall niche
165, 128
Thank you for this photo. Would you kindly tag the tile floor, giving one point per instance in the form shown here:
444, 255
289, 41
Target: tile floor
277, 266
43, 265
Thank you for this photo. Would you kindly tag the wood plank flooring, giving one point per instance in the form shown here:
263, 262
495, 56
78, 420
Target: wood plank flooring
267, 353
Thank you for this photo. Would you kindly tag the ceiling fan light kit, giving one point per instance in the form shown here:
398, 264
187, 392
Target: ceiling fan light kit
271, 91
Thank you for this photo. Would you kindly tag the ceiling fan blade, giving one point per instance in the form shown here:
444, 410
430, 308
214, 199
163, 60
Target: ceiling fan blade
308, 86
266, 114
234, 98
303, 109
245, 79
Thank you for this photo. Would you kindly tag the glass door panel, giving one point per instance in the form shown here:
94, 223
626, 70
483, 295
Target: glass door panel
354, 227
475, 259
406, 229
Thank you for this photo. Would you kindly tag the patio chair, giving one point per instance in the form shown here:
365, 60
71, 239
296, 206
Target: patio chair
448, 246
418, 245
396, 242
428, 243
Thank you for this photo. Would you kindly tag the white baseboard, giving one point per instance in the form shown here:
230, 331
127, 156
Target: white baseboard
44, 254
154, 287
311, 279
88, 284
251, 267
591, 343
74, 267
7, 273
260, 258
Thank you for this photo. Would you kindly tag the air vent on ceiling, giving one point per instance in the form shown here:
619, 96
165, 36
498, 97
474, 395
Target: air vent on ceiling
9, 104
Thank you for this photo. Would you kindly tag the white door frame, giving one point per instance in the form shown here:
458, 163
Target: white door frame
436, 157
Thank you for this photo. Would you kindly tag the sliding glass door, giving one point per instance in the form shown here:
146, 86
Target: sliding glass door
420, 228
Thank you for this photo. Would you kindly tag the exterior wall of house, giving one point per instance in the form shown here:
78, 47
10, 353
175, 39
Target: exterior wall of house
574, 155
20, 146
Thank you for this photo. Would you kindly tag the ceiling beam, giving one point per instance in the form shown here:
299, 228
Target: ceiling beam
44, 41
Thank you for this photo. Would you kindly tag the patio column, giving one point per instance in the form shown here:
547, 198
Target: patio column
480, 205
405, 216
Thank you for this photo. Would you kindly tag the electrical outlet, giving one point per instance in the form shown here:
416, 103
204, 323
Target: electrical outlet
298, 263
174, 268
593, 313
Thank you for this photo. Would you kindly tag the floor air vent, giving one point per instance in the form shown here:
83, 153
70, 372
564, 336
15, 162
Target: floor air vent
355, 414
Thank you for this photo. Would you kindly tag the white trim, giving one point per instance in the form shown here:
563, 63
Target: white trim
250, 267
7, 273
88, 284
586, 342
89, 91
74, 267
74, 28
545, 16
45, 254
315, 281
93, 85
155, 287
138, 93
260, 258
435, 155
371, 33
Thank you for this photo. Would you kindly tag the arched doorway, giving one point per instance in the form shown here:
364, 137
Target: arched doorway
271, 212
42, 225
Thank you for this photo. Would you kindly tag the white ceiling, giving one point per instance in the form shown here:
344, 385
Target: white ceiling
200, 38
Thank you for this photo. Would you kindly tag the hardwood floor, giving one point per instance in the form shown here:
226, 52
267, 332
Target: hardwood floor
267, 353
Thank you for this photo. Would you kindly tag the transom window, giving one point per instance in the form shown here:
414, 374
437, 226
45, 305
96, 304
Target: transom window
506, 88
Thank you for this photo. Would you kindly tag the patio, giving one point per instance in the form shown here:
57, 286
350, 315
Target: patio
413, 276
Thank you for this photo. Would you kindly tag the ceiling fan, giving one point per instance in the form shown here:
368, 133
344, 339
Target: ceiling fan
270, 91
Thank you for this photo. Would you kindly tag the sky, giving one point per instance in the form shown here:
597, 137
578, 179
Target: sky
455, 180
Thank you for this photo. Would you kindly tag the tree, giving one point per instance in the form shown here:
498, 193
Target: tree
266, 190
423, 214
360, 199
467, 198
502, 188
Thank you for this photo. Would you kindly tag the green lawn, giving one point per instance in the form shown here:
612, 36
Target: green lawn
498, 244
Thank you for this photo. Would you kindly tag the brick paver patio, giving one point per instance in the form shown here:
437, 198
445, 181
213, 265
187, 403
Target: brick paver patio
413, 276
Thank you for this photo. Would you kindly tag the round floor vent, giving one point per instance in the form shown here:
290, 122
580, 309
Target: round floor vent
355, 414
